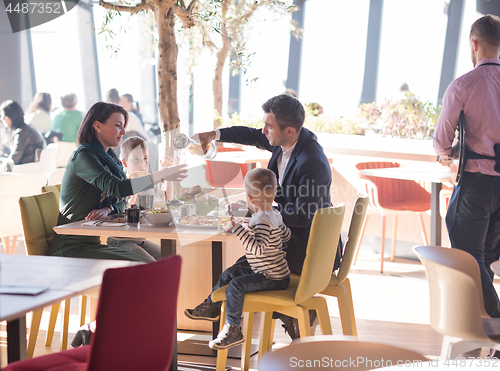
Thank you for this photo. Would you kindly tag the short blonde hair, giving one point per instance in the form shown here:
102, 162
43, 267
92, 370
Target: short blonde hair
261, 184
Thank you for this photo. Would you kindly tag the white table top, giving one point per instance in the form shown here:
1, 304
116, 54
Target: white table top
432, 173
63, 278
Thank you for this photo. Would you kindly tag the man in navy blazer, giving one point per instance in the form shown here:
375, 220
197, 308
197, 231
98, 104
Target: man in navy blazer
303, 173
300, 165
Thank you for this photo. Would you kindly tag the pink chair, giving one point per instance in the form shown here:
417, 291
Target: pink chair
135, 323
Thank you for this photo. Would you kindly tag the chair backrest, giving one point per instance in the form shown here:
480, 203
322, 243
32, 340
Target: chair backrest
321, 252
357, 221
456, 297
225, 174
136, 317
341, 353
384, 192
39, 215
53, 188
55, 176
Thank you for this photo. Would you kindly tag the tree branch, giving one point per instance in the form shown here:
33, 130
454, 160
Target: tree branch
125, 8
185, 15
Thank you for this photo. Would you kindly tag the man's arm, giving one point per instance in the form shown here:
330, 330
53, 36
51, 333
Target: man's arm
237, 134
447, 123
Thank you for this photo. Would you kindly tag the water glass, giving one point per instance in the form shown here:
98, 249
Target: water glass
224, 213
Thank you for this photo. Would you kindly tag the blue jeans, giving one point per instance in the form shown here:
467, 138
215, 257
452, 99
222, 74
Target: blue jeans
473, 222
240, 280
147, 249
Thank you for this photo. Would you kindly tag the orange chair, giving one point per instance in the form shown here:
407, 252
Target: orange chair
225, 174
392, 197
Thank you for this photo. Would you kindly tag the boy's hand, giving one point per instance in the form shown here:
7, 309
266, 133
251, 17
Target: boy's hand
229, 226
166, 162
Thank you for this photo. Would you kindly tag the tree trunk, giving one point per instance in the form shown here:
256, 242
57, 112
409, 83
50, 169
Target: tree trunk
217, 83
167, 81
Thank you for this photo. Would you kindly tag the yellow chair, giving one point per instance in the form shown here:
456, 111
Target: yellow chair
295, 301
53, 188
339, 285
39, 215
456, 299
340, 352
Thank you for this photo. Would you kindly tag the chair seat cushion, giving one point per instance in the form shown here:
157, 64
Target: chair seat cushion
68, 360
272, 297
409, 205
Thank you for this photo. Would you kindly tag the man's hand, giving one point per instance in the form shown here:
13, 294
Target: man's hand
205, 138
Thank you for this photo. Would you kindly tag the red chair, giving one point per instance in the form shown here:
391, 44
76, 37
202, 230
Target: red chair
225, 174
135, 323
392, 197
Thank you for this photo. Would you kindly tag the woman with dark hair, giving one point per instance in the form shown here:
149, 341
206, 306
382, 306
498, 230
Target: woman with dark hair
38, 112
25, 139
94, 183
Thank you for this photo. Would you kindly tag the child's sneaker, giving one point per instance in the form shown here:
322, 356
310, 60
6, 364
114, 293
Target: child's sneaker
205, 311
227, 338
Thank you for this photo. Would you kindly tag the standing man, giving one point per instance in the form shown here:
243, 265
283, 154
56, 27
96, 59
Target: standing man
473, 218
301, 167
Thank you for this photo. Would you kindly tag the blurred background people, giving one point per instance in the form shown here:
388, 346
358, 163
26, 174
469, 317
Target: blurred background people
68, 121
112, 96
38, 112
26, 140
135, 126
127, 102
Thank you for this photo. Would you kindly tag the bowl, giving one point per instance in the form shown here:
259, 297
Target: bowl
162, 217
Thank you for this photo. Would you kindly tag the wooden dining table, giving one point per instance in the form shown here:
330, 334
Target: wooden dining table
29, 283
170, 236
435, 174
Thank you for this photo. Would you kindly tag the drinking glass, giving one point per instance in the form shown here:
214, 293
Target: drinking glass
224, 212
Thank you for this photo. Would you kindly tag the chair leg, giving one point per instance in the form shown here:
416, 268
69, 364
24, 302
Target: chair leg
382, 244
247, 345
346, 308
6, 244
35, 326
360, 239
83, 309
65, 327
303, 318
422, 227
222, 354
54, 311
394, 232
266, 332
323, 316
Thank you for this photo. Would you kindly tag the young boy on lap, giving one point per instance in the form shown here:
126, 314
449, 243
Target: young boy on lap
267, 270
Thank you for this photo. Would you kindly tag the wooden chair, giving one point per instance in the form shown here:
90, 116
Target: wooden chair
341, 352
339, 285
456, 301
392, 197
295, 301
145, 292
39, 215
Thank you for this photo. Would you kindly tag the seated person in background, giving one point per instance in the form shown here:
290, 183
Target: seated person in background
38, 112
134, 154
94, 183
25, 138
68, 121
134, 124
303, 173
112, 96
127, 102
267, 270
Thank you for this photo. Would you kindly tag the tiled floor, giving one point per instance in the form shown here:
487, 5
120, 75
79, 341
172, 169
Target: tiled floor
391, 308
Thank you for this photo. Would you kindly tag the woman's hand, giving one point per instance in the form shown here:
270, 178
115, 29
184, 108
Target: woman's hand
99, 213
172, 173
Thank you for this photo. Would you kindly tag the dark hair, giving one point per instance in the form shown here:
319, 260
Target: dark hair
100, 111
112, 96
129, 97
487, 30
129, 144
40, 101
13, 111
287, 110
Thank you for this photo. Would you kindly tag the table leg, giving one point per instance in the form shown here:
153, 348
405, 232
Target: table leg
169, 247
16, 340
435, 215
216, 273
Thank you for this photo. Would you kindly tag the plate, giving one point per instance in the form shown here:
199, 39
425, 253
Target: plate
206, 222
